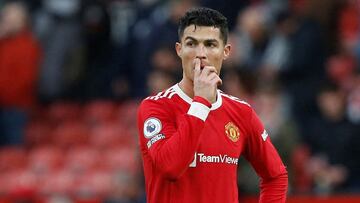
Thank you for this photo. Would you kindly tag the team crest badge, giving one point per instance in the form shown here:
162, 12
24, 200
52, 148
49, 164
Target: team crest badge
232, 131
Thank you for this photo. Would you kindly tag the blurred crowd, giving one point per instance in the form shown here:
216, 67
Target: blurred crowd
296, 62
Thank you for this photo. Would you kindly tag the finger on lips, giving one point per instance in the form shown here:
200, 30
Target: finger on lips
197, 63
205, 71
208, 70
197, 68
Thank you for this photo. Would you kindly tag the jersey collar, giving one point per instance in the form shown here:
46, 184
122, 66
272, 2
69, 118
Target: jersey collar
187, 99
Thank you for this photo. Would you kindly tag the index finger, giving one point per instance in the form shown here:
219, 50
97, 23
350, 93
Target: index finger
197, 68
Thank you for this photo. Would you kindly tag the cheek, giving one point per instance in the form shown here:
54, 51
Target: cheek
188, 58
188, 54
216, 59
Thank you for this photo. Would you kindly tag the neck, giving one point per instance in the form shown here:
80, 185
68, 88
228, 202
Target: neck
187, 87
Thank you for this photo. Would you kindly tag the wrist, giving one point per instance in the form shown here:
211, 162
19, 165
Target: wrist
199, 108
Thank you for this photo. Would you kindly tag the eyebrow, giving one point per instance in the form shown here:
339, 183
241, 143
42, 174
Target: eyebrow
206, 40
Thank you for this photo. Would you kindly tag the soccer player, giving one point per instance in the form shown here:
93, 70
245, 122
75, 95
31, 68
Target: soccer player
192, 134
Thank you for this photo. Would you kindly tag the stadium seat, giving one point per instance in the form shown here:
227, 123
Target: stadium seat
12, 158
127, 113
45, 159
125, 158
100, 111
63, 111
95, 183
18, 184
37, 133
82, 159
70, 134
111, 134
57, 182
7, 182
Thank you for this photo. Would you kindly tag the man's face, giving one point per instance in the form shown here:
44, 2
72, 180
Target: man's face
201, 42
13, 19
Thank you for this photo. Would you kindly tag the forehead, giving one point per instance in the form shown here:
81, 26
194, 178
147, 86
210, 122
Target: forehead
202, 32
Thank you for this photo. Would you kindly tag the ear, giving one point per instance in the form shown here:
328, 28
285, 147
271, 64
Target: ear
178, 48
227, 49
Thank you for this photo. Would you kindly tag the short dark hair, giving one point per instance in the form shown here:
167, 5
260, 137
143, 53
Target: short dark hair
204, 17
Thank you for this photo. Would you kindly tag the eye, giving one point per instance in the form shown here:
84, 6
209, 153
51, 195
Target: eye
211, 44
190, 43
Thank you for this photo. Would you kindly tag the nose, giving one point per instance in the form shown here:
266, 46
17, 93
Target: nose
201, 52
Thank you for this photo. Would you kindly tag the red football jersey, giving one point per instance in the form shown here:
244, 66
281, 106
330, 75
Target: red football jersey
190, 149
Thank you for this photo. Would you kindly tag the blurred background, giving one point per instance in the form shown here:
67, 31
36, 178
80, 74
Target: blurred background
72, 73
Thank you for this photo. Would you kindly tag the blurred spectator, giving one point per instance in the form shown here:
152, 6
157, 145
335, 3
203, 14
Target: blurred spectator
340, 69
348, 22
230, 9
19, 62
240, 83
330, 136
251, 37
159, 80
305, 68
163, 22
353, 113
111, 71
349, 29
58, 27
165, 59
323, 12
125, 189
165, 70
273, 109
99, 68
277, 55
353, 101
123, 49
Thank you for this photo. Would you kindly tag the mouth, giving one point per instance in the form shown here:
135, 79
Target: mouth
202, 64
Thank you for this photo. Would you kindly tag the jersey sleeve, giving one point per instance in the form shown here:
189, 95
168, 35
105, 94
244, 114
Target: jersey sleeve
168, 141
267, 163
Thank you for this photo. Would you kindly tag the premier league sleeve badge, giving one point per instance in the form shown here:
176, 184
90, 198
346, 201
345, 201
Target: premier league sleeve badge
152, 127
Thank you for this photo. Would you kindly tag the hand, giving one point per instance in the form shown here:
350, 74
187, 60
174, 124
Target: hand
206, 81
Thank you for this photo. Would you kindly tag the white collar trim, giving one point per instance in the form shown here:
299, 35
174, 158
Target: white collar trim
187, 99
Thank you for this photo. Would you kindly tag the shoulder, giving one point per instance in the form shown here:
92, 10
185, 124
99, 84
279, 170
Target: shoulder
239, 106
160, 98
163, 95
159, 102
234, 100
